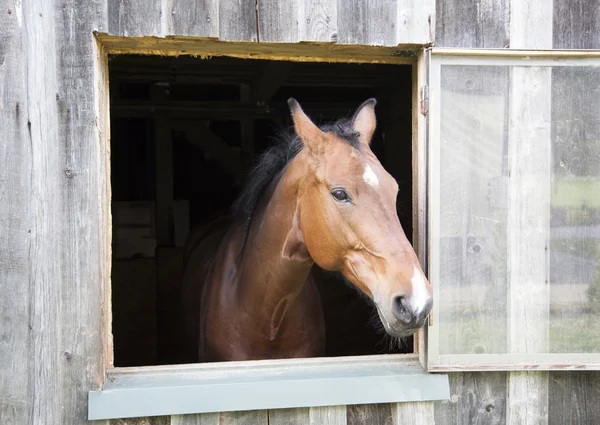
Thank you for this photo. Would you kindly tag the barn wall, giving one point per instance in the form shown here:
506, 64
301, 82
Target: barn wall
53, 176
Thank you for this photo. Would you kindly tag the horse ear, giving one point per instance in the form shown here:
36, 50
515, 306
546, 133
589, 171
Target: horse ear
310, 134
364, 121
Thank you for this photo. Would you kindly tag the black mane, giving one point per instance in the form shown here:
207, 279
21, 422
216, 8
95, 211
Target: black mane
274, 160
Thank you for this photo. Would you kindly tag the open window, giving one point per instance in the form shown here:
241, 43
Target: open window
514, 210
184, 130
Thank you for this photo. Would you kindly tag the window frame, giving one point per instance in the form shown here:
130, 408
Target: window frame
196, 388
488, 362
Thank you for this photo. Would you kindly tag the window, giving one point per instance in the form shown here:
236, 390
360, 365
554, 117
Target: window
143, 230
514, 210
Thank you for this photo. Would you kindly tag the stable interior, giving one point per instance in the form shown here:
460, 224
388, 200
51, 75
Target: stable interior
184, 133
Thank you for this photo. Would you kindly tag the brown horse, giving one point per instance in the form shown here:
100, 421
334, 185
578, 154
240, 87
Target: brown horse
319, 197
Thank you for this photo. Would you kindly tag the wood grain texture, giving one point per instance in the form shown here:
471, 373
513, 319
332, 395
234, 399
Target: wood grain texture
204, 419
472, 23
573, 398
368, 22
237, 20
15, 231
300, 416
46, 217
134, 18
318, 20
83, 286
199, 18
528, 398
373, 414
415, 21
328, 415
278, 21
475, 398
411, 413
251, 417
576, 24
531, 24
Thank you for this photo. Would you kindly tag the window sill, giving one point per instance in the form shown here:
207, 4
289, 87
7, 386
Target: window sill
265, 384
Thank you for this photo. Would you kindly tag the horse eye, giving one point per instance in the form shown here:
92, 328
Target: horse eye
340, 195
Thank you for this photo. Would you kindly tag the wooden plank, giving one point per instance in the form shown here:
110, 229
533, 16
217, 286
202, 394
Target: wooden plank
16, 157
367, 22
199, 18
530, 24
415, 21
237, 20
575, 24
85, 348
330, 415
528, 226
318, 20
475, 398
250, 417
134, 18
300, 52
472, 23
278, 21
413, 413
372, 414
573, 398
204, 419
47, 220
300, 416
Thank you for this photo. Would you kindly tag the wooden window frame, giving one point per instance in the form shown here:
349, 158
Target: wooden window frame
490, 362
204, 388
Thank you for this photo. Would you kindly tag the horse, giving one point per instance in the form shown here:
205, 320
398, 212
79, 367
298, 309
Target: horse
319, 198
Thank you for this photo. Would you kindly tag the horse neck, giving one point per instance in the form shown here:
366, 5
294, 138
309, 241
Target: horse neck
275, 264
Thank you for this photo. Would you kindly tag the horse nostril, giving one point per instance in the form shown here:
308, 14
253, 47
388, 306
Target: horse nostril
401, 310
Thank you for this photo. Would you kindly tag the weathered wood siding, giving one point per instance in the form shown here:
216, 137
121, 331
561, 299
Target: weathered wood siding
53, 177
519, 397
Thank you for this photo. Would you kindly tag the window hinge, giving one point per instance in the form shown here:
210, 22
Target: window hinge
424, 100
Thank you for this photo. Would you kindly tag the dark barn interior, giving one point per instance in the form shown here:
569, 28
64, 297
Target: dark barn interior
184, 133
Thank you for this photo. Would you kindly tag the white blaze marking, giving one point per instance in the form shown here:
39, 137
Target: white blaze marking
370, 177
419, 297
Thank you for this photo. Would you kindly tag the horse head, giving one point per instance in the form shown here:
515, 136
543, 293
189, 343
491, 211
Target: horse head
348, 222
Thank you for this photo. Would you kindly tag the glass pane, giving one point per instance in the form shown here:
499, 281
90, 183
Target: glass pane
518, 216
575, 211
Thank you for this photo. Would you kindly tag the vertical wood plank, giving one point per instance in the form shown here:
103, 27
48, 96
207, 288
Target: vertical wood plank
415, 21
328, 415
372, 414
136, 18
48, 184
576, 24
251, 417
472, 23
529, 159
318, 20
16, 157
203, 419
573, 398
368, 22
278, 21
531, 24
421, 413
237, 20
82, 101
300, 416
475, 398
199, 18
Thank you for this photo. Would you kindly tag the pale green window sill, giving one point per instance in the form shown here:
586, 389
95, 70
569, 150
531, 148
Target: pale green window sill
235, 386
